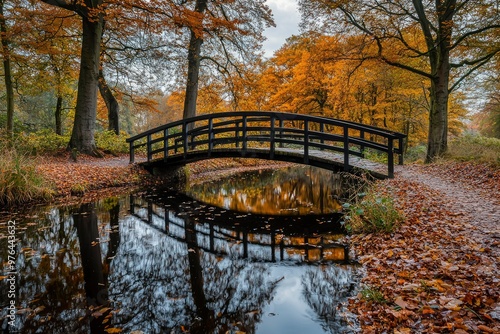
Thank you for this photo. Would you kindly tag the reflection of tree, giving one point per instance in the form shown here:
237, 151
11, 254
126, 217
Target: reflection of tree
326, 290
50, 280
96, 285
51, 289
162, 285
205, 324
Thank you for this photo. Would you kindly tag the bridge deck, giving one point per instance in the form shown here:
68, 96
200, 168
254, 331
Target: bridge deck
319, 141
323, 159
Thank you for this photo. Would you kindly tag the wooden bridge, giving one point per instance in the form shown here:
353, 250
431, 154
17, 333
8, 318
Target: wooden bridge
318, 141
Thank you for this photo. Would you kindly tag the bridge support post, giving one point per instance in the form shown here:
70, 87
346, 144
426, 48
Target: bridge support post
132, 152
306, 141
272, 140
390, 158
346, 149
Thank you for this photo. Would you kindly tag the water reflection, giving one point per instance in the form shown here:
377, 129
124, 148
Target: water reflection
164, 263
287, 191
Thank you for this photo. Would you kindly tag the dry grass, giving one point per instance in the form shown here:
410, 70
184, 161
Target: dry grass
475, 148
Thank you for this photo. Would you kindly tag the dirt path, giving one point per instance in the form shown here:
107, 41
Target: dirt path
478, 206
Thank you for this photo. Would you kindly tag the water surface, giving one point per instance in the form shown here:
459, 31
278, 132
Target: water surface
163, 262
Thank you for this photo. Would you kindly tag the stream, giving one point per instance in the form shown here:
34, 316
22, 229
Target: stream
253, 252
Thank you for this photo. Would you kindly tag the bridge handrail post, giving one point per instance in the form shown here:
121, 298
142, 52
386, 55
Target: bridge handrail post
184, 139
272, 140
237, 134
322, 130
165, 144
306, 141
149, 147
390, 158
210, 135
244, 135
132, 152
192, 136
346, 148
362, 147
282, 122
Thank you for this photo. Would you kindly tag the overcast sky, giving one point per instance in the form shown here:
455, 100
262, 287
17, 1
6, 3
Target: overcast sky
287, 18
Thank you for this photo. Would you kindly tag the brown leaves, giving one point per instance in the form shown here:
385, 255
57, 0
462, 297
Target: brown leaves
438, 274
88, 174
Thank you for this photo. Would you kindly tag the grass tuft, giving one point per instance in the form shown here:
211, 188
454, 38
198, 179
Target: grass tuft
19, 180
372, 214
372, 295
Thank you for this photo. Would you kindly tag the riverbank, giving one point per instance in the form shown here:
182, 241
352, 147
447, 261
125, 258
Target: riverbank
90, 178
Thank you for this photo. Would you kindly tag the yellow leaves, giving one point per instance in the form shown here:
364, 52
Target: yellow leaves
113, 330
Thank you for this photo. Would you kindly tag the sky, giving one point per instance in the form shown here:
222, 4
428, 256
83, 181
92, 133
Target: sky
286, 18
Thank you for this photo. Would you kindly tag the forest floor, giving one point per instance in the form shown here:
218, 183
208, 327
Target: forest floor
438, 272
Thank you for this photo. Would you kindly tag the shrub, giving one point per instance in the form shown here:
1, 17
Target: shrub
43, 141
372, 214
416, 153
109, 142
475, 148
19, 180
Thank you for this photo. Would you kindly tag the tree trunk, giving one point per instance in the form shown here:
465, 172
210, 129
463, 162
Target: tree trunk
7, 71
82, 137
439, 55
58, 115
111, 104
193, 66
437, 141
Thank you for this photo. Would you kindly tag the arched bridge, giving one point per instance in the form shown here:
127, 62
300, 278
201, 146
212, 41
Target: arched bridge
318, 141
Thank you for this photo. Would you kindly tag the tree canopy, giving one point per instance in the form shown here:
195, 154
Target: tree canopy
443, 41
405, 65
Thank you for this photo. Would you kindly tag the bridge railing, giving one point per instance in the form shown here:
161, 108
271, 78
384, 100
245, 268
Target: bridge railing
273, 131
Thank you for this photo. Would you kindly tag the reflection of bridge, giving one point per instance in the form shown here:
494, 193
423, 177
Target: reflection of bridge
318, 141
222, 232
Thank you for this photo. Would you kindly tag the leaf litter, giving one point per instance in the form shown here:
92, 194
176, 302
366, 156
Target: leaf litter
439, 271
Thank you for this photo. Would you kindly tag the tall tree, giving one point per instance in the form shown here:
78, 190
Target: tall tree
91, 12
7, 68
459, 38
51, 53
194, 52
231, 31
